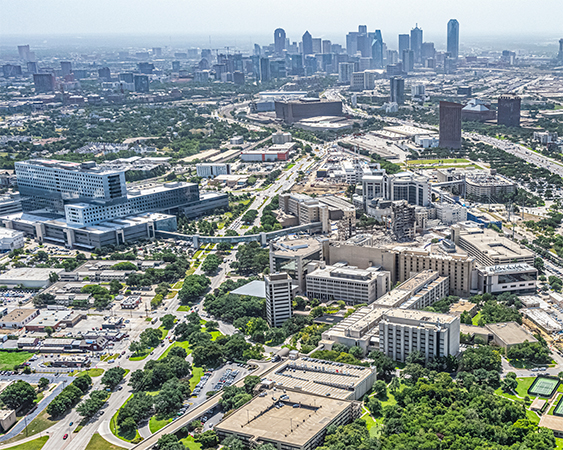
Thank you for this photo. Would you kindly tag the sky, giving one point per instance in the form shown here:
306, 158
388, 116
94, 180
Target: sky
255, 20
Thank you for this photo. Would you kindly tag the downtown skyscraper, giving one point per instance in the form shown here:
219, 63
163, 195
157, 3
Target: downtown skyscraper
453, 38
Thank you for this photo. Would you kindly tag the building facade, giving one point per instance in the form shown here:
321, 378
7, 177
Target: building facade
450, 125
278, 298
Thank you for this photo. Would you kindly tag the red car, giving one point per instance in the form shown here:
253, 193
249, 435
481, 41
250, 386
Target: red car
65, 436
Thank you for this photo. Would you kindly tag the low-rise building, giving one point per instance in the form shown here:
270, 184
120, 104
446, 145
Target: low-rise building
518, 278
7, 419
28, 277
293, 421
11, 239
457, 309
508, 334
55, 319
18, 318
131, 302
207, 170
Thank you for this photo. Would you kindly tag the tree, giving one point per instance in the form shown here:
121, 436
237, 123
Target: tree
49, 331
170, 442
93, 404
384, 365
481, 357
18, 394
224, 246
380, 389
466, 318
170, 397
416, 357
168, 321
356, 352
207, 439
112, 377
250, 382
43, 383
178, 351
83, 382
374, 406
509, 384
53, 277
211, 325
233, 443
114, 287
211, 264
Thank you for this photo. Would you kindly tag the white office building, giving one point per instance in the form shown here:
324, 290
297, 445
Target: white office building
349, 284
279, 298
449, 214
205, 170
403, 331
413, 188
518, 278
11, 239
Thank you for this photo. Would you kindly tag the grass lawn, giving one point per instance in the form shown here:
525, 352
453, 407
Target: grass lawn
371, 425
178, 285
190, 443
115, 429
184, 344
36, 444
155, 424
141, 355
215, 334
9, 359
92, 372
185, 308
99, 443
522, 389
37, 425
532, 416
171, 294
559, 443
475, 319
197, 373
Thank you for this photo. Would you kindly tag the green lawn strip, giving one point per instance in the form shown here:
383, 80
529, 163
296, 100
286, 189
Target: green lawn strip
197, 373
532, 416
500, 392
92, 372
115, 429
142, 355
190, 443
185, 308
99, 443
37, 425
554, 405
178, 285
475, 319
371, 425
560, 387
157, 424
36, 444
184, 344
10, 359
436, 161
559, 443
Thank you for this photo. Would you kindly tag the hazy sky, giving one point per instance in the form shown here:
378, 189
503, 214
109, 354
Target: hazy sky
253, 19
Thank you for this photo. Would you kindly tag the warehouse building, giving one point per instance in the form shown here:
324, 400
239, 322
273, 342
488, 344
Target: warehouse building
28, 277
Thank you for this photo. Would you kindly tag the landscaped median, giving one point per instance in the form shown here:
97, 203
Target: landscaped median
129, 437
99, 443
36, 444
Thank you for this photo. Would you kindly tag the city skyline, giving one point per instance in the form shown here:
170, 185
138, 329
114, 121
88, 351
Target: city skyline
178, 18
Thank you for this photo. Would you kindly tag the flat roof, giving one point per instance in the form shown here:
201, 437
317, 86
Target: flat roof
296, 247
17, 315
493, 245
261, 419
510, 333
421, 316
28, 274
508, 268
320, 377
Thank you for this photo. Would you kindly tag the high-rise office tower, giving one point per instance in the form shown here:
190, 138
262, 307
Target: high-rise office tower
377, 50
104, 73
450, 125
145, 67
345, 71
279, 41
508, 113
352, 43
453, 38
12, 70
307, 43
560, 49
404, 43
397, 88
327, 47
44, 82
408, 60
428, 50
257, 50
32, 67
265, 74
278, 298
317, 45
141, 83
296, 64
363, 43
416, 43
362, 29
157, 52
23, 51
176, 66
66, 68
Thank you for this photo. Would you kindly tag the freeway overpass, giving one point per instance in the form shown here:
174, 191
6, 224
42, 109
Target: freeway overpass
201, 410
263, 238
